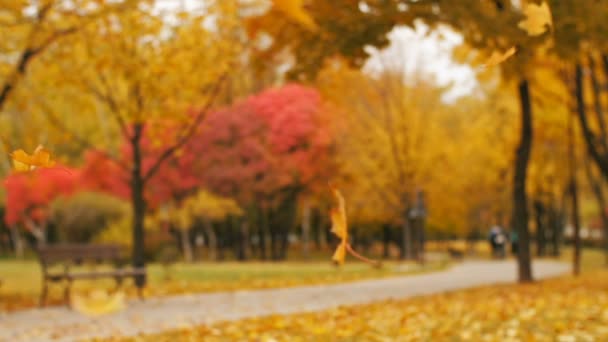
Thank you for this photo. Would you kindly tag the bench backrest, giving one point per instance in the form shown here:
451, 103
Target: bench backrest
78, 253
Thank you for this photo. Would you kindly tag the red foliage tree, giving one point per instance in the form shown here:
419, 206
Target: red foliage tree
265, 151
29, 194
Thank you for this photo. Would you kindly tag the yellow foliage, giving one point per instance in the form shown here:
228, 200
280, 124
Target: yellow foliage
201, 205
294, 9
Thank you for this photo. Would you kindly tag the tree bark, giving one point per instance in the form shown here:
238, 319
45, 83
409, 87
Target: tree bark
580, 105
386, 240
185, 242
17, 241
598, 193
211, 238
243, 238
539, 213
138, 204
405, 251
306, 230
520, 203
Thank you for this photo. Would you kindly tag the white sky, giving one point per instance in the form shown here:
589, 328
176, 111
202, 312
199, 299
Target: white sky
418, 53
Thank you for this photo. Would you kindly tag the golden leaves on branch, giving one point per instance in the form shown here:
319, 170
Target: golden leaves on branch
538, 19
294, 9
497, 58
23, 162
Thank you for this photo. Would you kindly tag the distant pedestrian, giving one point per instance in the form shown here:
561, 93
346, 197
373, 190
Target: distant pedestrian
498, 240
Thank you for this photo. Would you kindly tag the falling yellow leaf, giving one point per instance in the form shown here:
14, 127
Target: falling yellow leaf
98, 303
497, 58
24, 162
339, 226
294, 9
538, 19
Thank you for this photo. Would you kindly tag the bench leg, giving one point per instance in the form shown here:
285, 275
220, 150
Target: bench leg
140, 292
43, 294
66, 292
118, 283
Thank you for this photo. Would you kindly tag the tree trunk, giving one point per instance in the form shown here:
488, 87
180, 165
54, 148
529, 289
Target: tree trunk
596, 184
405, 250
386, 240
598, 193
306, 230
212, 238
242, 243
576, 260
17, 241
38, 231
262, 229
520, 206
138, 204
186, 247
539, 213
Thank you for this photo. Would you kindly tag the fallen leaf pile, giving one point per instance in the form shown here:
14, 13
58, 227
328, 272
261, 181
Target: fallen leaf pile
564, 309
98, 303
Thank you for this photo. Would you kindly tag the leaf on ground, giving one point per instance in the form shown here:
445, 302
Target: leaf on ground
562, 309
98, 303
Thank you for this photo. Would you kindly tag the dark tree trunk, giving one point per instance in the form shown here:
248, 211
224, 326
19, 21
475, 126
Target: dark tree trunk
262, 229
138, 204
386, 240
596, 184
580, 106
406, 239
554, 223
597, 148
539, 213
598, 193
306, 230
520, 206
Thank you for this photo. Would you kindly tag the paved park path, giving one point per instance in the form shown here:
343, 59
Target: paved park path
157, 314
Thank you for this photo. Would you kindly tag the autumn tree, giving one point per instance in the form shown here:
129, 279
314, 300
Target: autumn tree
126, 70
267, 151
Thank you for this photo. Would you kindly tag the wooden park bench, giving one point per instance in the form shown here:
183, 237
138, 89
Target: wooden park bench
68, 255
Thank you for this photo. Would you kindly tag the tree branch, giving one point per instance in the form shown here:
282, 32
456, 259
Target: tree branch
189, 131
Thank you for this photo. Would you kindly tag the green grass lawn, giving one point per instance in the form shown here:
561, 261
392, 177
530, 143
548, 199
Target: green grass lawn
22, 279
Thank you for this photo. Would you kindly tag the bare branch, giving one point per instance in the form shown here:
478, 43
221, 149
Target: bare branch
190, 130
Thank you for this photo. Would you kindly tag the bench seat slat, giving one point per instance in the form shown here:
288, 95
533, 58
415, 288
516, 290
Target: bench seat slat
96, 274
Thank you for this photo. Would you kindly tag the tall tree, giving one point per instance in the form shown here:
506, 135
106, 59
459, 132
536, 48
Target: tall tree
128, 77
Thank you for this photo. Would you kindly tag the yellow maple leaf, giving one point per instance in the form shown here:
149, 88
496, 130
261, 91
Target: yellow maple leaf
538, 19
339, 226
24, 162
294, 9
499, 57
98, 303
340, 254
